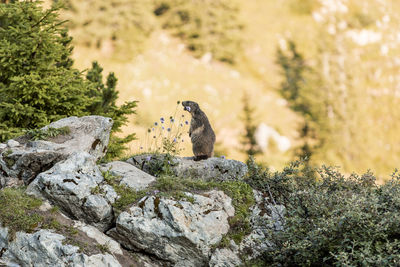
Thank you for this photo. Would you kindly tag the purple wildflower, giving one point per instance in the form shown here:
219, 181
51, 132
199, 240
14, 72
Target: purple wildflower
172, 119
186, 122
174, 140
148, 158
156, 191
162, 128
169, 129
162, 120
152, 129
222, 157
187, 108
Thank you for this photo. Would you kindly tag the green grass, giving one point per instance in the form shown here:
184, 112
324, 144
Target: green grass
39, 134
17, 211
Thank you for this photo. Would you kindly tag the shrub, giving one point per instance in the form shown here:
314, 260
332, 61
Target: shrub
331, 219
37, 82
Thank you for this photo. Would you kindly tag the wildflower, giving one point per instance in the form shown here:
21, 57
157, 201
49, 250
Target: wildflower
156, 191
186, 122
148, 158
162, 120
162, 128
222, 157
187, 108
174, 140
169, 129
172, 120
156, 123
152, 129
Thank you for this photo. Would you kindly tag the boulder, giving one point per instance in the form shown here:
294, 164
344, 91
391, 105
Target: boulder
90, 134
210, 169
45, 248
24, 159
177, 231
71, 184
130, 175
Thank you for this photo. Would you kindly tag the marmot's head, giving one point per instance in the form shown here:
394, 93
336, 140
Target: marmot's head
190, 106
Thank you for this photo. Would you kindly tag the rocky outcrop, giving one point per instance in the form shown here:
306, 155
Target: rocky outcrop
71, 184
219, 169
21, 160
179, 232
162, 229
45, 248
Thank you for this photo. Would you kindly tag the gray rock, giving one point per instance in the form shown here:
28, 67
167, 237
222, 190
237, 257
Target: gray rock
45, 248
26, 159
130, 175
224, 258
90, 134
209, 169
69, 185
26, 165
12, 143
92, 232
3, 238
176, 231
3, 146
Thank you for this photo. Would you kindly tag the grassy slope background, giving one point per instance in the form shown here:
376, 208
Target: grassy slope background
158, 71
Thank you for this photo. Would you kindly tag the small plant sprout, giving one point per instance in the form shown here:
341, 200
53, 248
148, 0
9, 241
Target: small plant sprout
166, 136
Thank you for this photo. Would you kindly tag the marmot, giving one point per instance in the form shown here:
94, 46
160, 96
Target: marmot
200, 132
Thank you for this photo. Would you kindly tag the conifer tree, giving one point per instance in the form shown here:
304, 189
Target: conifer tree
38, 84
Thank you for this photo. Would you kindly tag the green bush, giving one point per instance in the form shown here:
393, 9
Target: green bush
38, 84
331, 219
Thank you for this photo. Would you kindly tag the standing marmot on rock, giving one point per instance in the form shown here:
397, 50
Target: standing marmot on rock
200, 132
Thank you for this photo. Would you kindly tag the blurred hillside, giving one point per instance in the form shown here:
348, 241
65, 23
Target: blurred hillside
213, 52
